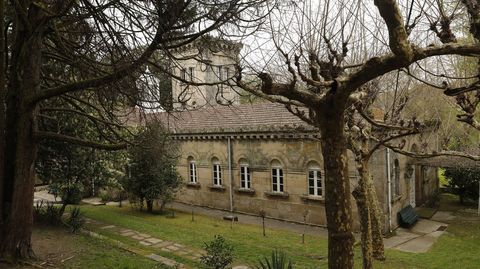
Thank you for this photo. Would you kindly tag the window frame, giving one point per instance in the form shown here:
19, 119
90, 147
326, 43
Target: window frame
316, 180
245, 177
216, 173
277, 178
192, 171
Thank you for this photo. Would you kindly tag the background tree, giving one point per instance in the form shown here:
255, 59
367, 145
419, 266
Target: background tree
76, 52
464, 182
152, 173
328, 52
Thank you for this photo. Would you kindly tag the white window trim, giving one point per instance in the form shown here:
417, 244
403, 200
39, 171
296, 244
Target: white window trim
192, 172
280, 180
315, 183
217, 169
245, 177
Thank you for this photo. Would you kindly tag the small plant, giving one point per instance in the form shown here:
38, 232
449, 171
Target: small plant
277, 261
47, 213
76, 220
219, 253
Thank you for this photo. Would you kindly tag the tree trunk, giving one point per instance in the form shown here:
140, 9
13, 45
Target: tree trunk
376, 221
3, 92
337, 186
362, 197
18, 178
149, 206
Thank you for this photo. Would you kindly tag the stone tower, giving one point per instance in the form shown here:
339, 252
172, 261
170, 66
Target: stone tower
210, 61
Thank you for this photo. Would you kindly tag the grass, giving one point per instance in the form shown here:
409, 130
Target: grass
458, 248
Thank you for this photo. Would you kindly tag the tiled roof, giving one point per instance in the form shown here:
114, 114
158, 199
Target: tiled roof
262, 117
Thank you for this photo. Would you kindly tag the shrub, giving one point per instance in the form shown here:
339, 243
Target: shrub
278, 260
219, 253
47, 213
70, 191
464, 182
76, 220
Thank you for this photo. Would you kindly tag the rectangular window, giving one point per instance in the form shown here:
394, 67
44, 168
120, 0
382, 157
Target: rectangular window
191, 74
245, 177
277, 179
315, 183
219, 73
183, 74
193, 172
217, 175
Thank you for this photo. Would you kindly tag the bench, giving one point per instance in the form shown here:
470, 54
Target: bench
407, 217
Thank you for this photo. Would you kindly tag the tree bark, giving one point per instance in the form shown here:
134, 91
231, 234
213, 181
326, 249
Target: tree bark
331, 120
20, 149
361, 195
376, 221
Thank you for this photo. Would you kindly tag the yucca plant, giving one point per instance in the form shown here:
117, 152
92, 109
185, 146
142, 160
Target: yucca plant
76, 220
278, 260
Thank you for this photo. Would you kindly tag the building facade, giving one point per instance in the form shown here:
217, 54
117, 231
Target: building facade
260, 158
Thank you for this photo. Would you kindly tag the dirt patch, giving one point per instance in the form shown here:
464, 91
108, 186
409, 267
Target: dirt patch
52, 247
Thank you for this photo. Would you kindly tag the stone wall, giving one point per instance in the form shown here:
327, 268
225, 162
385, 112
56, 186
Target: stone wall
295, 155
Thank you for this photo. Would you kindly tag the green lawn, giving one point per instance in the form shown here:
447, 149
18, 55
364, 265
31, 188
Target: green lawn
458, 248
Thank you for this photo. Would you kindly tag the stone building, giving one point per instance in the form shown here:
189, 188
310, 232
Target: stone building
259, 157
249, 158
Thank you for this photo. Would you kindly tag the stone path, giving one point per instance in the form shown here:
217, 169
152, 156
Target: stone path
418, 239
155, 244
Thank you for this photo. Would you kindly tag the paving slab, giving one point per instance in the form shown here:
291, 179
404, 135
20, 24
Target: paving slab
153, 240
145, 243
108, 227
241, 267
163, 260
162, 244
166, 250
425, 226
145, 235
420, 244
173, 248
128, 233
402, 236
443, 216
137, 237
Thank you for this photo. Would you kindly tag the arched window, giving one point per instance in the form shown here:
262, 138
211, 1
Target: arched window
217, 172
192, 170
315, 180
245, 182
396, 177
277, 176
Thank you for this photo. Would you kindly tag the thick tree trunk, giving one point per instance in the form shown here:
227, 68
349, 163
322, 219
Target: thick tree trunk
337, 187
20, 149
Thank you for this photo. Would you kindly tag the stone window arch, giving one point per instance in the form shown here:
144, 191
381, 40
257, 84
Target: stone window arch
245, 174
216, 172
316, 183
192, 170
277, 176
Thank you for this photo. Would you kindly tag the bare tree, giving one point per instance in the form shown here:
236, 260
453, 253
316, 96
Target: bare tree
324, 78
83, 57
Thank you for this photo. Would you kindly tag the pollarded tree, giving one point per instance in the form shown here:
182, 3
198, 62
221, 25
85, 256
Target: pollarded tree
83, 54
152, 173
327, 58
